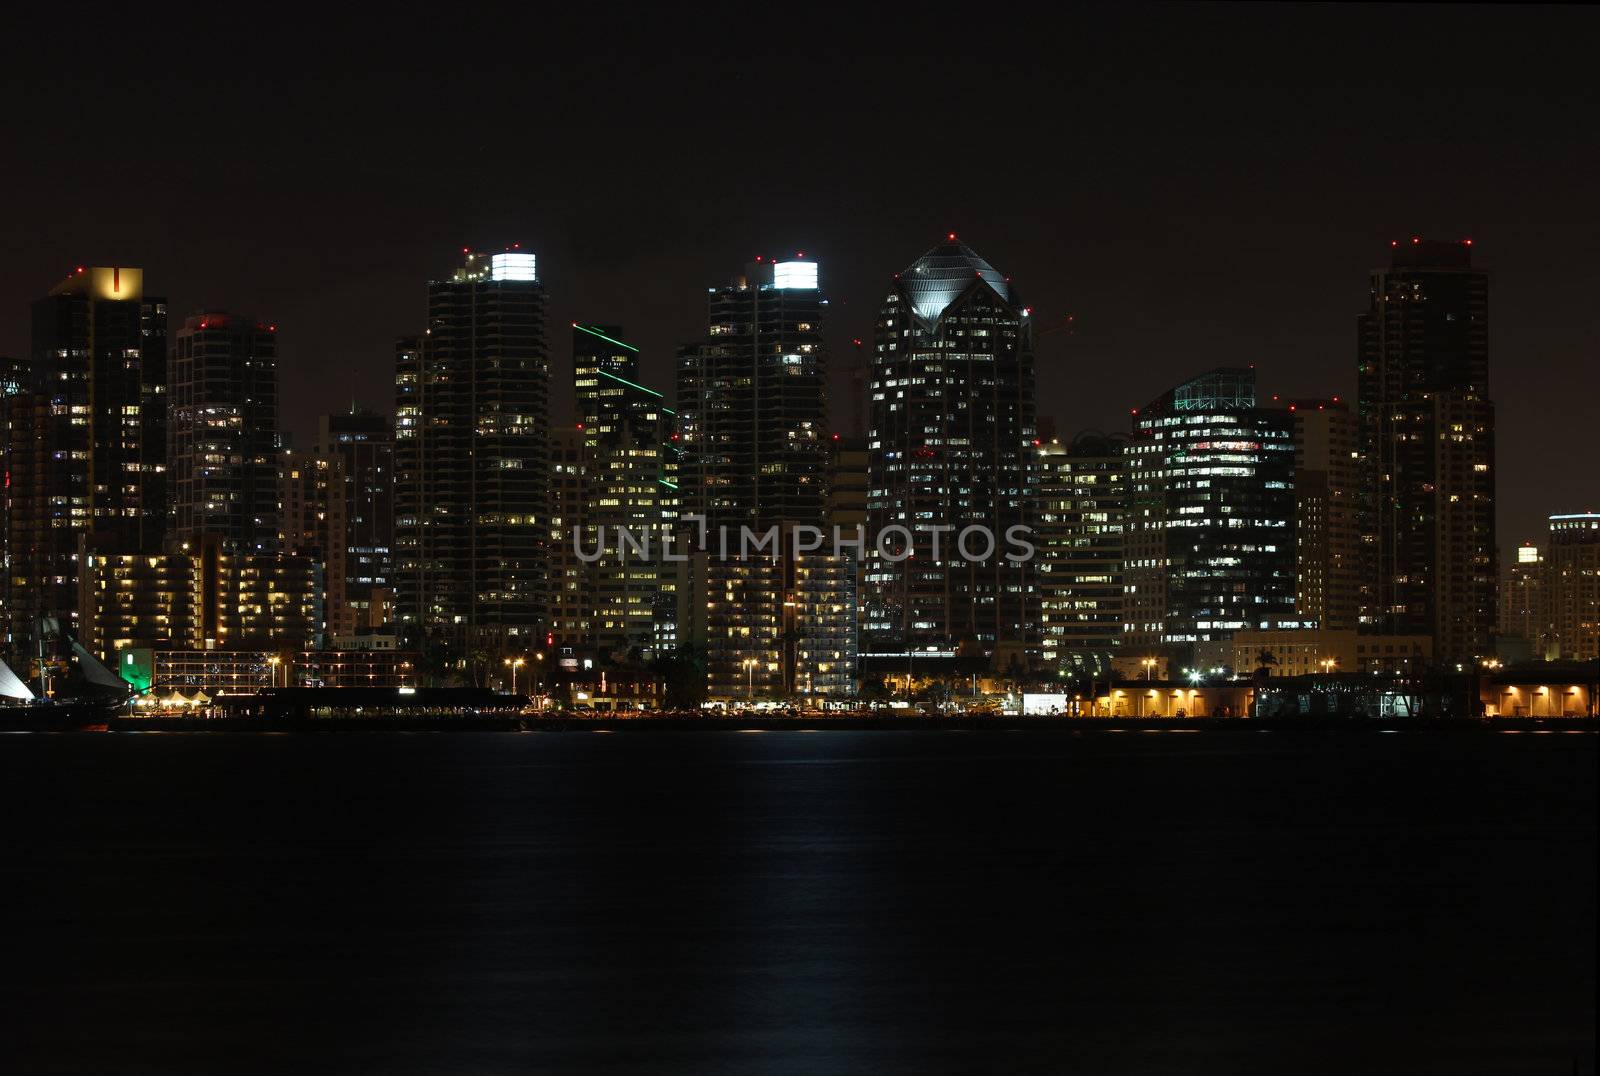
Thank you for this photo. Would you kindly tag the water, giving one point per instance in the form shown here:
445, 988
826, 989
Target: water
898, 902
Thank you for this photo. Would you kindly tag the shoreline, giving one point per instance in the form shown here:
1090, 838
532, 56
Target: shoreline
671, 724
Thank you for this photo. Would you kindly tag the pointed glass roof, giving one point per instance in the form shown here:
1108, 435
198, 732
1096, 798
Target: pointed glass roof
938, 278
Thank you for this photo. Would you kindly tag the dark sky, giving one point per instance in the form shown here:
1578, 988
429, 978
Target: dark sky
1197, 185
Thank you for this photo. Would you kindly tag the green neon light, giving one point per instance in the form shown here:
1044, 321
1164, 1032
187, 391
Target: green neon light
604, 337
669, 485
632, 384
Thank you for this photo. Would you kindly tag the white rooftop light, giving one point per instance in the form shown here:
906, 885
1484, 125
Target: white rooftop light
513, 266
794, 275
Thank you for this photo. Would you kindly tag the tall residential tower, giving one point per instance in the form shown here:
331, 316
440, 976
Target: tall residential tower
1427, 450
471, 459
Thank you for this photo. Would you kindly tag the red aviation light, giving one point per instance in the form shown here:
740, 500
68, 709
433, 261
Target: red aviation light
1394, 242
1466, 242
1416, 239
951, 238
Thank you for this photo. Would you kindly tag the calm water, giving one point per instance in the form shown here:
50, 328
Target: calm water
900, 902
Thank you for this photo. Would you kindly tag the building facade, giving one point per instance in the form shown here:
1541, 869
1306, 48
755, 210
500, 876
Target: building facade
1572, 574
87, 439
222, 431
752, 410
359, 445
1427, 450
950, 447
205, 596
1082, 501
471, 460
1327, 533
631, 452
1209, 544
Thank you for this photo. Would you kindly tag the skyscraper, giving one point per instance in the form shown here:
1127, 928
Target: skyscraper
88, 439
1209, 546
1427, 448
471, 458
752, 397
1524, 620
361, 444
1082, 500
951, 440
571, 588
222, 431
1573, 583
630, 482
752, 412
1326, 533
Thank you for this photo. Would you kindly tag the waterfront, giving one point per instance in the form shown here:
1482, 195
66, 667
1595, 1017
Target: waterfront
824, 902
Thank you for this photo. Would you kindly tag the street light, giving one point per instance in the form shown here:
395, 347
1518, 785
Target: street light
273, 662
538, 688
750, 678
1149, 666
515, 664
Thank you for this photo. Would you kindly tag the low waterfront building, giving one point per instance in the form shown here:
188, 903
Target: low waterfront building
1308, 651
235, 672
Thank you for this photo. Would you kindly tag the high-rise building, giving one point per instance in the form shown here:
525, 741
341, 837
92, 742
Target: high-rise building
1524, 620
571, 591
361, 445
1427, 448
87, 439
951, 443
16, 442
752, 414
471, 459
222, 431
1082, 499
1327, 534
1573, 583
1209, 542
751, 400
631, 451
311, 511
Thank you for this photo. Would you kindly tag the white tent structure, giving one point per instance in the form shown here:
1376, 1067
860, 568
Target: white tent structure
11, 686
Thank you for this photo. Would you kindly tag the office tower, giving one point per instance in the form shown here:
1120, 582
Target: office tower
1327, 534
360, 444
1082, 499
631, 488
88, 439
571, 592
751, 412
1572, 571
1209, 544
1524, 620
222, 431
1427, 446
951, 439
471, 460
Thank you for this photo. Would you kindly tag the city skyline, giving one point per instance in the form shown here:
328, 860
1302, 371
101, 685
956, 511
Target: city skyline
1226, 206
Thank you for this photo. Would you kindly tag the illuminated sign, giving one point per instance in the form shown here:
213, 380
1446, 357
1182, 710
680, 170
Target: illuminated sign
512, 266
794, 275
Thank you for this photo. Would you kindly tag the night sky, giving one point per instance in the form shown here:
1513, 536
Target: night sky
1195, 185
